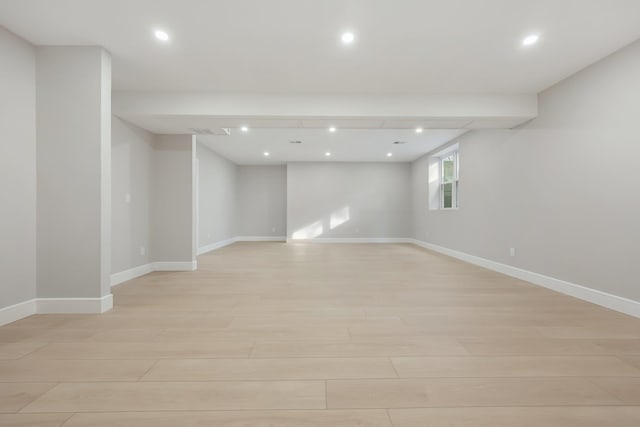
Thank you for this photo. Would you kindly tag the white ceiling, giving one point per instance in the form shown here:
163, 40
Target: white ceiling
345, 145
292, 46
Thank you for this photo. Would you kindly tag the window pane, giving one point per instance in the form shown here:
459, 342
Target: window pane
447, 193
448, 169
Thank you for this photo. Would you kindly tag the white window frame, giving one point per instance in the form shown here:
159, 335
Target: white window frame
456, 180
436, 185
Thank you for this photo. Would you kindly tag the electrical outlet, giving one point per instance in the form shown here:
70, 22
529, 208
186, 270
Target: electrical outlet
512, 252
127, 197
143, 250
273, 229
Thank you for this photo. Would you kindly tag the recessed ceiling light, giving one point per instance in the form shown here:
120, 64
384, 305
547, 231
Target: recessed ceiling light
332, 129
419, 130
244, 129
327, 154
161, 35
266, 153
530, 40
348, 37
389, 154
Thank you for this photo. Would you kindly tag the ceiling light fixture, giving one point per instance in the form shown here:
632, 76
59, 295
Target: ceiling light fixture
348, 37
328, 154
266, 153
419, 130
332, 129
244, 129
161, 35
530, 40
389, 154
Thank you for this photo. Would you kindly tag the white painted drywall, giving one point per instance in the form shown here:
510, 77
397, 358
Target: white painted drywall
132, 151
262, 201
172, 200
564, 190
348, 200
73, 168
217, 185
17, 170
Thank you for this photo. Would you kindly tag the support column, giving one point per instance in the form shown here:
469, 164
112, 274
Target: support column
73, 183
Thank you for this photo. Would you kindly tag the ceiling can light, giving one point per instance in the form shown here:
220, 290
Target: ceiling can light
389, 154
244, 129
332, 129
266, 154
530, 40
419, 130
348, 37
161, 35
328, 154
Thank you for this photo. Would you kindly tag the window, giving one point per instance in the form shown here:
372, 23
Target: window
449, 181
444, 177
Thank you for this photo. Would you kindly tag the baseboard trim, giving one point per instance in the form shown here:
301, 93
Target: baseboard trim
217, 245
261, 239
613, 302
130, 274
75, 305
18, 311
351, 240
175, 266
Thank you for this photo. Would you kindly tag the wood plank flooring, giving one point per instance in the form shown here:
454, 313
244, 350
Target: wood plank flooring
273, 334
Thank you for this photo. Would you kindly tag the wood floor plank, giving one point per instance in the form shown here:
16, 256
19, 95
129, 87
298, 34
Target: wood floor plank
13, 396
321, 418
36, 370
598, 416
270, 369
180, 396
142, 350
33, 420
461, 392
512, 366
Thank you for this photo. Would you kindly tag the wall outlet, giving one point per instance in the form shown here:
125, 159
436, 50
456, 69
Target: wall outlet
273, 229
208, 235
512, 251
127, 197
143, 250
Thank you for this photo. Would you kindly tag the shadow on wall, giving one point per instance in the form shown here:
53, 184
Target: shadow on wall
315, 229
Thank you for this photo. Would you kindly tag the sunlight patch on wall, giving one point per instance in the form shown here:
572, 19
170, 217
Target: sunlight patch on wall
339, 217
309, 232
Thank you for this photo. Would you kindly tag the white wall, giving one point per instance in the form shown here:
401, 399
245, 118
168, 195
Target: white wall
172, 200
17, 170
262, 201
131, 185
348, 200
217, 185
73, 168
563, 190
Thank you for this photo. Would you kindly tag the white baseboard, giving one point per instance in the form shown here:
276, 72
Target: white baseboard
75, 305
18, 311
217, 245
175, 266
131, 273
351, 240
261, 239
613, 302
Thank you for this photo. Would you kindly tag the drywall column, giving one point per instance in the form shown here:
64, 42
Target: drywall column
73, 181
172, 204
17, 177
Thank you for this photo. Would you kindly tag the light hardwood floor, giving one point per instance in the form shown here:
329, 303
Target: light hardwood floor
270, 334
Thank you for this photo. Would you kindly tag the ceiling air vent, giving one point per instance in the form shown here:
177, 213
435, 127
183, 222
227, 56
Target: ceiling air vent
399, 142
295, 142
